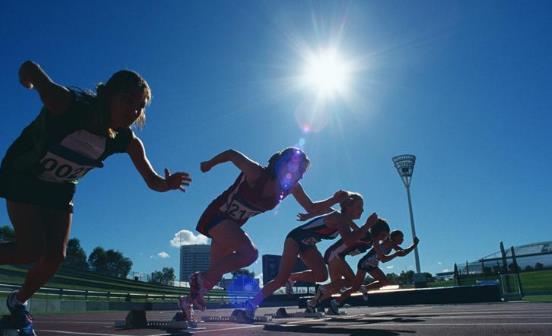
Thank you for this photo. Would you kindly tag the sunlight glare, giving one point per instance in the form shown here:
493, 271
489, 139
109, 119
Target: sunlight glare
326, 73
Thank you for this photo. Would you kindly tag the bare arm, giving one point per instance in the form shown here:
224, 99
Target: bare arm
56, 98
155, 182
402, 252
316, 208
351, 232
382, 256
251, 169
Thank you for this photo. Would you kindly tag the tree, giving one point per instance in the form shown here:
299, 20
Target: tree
165, 276
406, 277
429, 277
393, 277
97, 260
117, 264
76, 257
539, 266
7, 233
109, 262
528, 268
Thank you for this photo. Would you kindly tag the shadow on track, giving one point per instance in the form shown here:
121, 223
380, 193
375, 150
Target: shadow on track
320, 329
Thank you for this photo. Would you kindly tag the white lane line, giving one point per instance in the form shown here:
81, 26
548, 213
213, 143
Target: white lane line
464, 317
90, 334
449, 324
233, 328
504, 313
71, 322
396, 311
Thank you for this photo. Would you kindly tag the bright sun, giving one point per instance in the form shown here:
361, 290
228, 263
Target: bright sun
326, 73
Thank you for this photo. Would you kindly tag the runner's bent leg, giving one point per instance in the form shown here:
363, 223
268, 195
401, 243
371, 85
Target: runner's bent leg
287, 263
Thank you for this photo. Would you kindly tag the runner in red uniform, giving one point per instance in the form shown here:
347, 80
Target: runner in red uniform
256, 190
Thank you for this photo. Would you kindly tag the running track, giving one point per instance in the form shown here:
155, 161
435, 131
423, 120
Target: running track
511, 318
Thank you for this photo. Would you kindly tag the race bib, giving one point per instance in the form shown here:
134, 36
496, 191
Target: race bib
58, 169
70, 160
238, 211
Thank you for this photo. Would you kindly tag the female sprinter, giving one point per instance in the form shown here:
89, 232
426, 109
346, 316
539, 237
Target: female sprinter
256, 190
369, 264
341, 274
302, 241
74, 133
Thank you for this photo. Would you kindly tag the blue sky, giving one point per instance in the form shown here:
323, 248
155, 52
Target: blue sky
463, 85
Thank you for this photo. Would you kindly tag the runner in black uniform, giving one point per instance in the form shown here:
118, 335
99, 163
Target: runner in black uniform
74, 133
302, 241
369, 264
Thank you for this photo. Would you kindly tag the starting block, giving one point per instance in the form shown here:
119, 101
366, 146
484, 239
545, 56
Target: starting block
238, 316
282, 313
136, 319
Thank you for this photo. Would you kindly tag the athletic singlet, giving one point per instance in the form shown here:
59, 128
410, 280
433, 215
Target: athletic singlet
340, 249
314, 231
62, 149
44, 164
371, 258
239, 203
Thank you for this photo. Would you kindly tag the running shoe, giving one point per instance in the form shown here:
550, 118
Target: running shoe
197, 291
318, 294
22, 319
184, 303
250, 308
364, 293
334, 307
311, 309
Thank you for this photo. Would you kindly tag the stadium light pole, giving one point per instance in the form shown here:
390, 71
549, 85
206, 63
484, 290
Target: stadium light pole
405, 167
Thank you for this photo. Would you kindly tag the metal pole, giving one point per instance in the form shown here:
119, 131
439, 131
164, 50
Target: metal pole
416, 255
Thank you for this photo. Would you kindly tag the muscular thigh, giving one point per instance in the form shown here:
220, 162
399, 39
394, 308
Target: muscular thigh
377, 274
28, 223
226, 238
57, 227
339, 268
313, 259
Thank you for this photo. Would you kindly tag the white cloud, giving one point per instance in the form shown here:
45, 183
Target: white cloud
390, 266
186, 237
439, 263
162, 255
445, 270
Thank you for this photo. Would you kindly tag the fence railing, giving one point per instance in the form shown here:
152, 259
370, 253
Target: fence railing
90, 295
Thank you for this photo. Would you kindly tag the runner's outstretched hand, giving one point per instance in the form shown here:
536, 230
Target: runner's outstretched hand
178, 180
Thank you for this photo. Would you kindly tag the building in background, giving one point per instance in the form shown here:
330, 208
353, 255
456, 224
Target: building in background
193, 258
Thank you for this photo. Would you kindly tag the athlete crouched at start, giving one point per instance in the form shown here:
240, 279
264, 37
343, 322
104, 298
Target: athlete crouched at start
257, 189
73, 134
369, 263
301, 242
